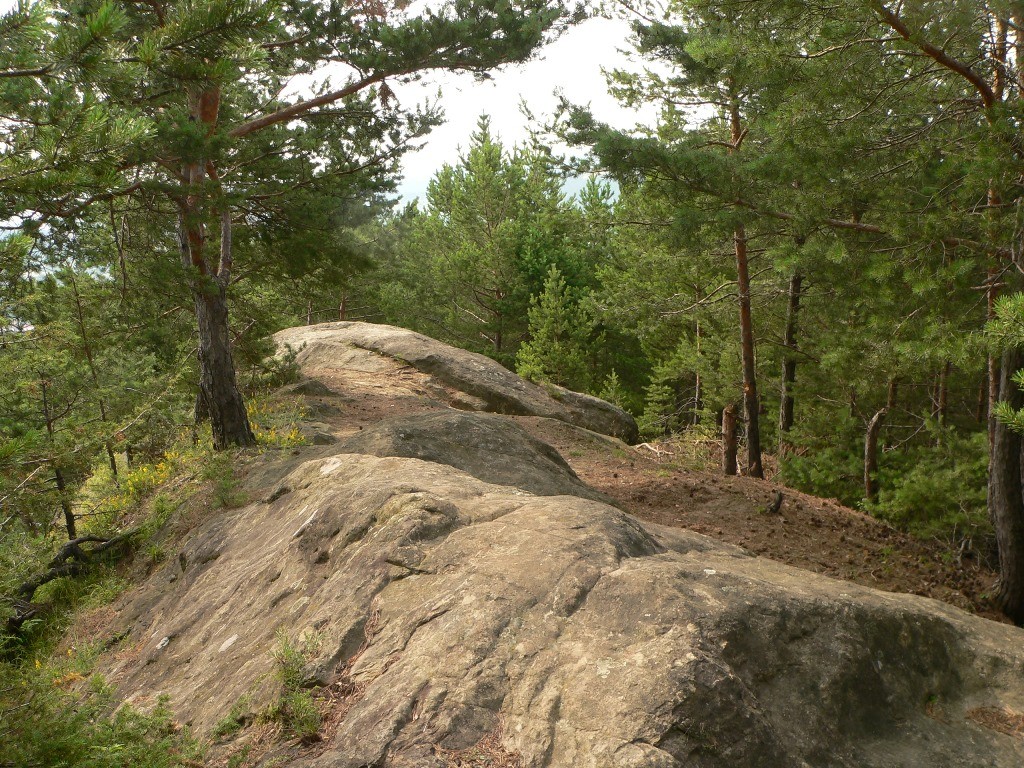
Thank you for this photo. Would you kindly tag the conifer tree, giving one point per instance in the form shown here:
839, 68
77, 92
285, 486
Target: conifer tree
188, 99
493, 225
560, 331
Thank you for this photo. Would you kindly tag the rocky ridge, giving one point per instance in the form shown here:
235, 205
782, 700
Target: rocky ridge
459, 591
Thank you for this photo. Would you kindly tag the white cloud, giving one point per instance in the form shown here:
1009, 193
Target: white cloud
572, 65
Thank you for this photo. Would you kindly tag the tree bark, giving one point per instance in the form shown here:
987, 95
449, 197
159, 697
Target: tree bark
58, 474
698, 385
1006, 495
871, 455
87, 348
789, 359
991, 293
893, 393
751, 403
219, 397
65, 504
729, 440
218, 390
224, 403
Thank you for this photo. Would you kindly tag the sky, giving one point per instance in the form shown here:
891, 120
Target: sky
571, 65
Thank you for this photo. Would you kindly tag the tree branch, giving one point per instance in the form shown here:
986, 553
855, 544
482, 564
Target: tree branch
37, 72
297, 110
988, 97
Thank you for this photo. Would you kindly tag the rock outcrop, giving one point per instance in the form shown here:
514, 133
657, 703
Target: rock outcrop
484, 384
488, 447
449, 607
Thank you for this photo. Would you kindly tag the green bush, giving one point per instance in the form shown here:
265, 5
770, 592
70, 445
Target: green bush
830, 467
936, 490
56, 718
296, 708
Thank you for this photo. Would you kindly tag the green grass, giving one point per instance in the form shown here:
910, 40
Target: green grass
239, 717
57, 713
296, 708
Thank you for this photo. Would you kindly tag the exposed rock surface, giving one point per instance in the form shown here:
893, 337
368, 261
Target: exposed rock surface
481, 383
443, 612
488, 447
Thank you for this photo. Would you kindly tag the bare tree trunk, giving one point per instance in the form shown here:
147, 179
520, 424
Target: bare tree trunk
65, 504
892, 394
309, 311
751, 403
1006, 461
789, 358
343, 307
729, 440
871, 456
991, 294
698, 387
219, 397
993, 361
1006, 497
87, 348
58, 475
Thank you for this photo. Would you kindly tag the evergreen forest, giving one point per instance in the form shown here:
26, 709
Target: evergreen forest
812, 260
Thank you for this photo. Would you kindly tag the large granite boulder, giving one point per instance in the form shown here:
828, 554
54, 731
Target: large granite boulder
488, 385
445, 616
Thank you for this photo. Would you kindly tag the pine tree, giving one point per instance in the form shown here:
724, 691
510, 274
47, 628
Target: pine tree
470, 262
187, 97
561, 330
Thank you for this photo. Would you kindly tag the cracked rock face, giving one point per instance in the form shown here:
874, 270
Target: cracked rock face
446, 612
479, 382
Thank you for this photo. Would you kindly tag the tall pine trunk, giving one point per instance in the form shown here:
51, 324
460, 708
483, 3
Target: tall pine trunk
218, 389
786, 402
219, 396
729, 440
942, 399
698, 385
83, 334
1005, 494
871, 455
992, 368
751, 402
58, 474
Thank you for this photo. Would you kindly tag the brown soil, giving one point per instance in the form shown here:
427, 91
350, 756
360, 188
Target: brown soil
658, 483
808, 532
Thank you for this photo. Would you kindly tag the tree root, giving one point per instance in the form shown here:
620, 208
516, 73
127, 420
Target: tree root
72, 559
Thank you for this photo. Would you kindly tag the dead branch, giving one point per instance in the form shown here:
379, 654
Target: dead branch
72, 559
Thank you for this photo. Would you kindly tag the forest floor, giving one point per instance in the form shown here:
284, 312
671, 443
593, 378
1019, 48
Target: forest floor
673, 484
